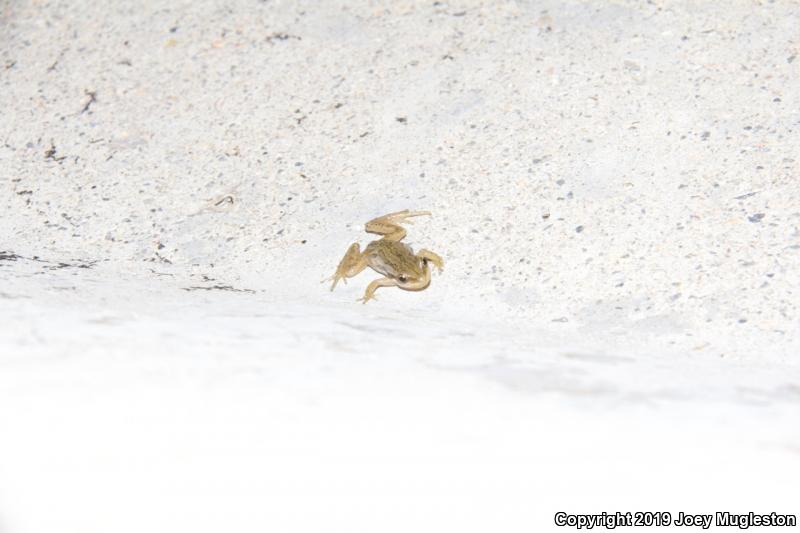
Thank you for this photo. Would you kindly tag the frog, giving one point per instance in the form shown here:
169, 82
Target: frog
396, 260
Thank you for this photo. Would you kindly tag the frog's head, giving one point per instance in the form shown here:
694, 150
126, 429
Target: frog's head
415, 276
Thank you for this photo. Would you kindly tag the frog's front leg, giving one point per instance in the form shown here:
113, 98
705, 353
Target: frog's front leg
370, 292
427, 255
351, 265
389, 225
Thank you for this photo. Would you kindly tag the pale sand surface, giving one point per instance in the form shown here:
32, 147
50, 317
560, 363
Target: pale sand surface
614, 188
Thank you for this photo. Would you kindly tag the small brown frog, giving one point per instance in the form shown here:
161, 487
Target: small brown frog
390, 257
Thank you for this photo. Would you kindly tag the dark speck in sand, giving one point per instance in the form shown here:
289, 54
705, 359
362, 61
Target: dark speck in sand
9, 256
218, 288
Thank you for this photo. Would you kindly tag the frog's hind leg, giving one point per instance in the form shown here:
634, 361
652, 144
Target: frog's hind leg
389, 225
351, 265
428, 256
369, 294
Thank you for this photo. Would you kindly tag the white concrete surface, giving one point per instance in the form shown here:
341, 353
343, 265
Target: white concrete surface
615, 194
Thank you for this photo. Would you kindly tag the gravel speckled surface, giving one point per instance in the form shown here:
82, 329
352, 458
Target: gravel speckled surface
614, 189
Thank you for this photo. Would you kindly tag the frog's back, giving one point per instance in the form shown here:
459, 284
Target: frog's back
392, 258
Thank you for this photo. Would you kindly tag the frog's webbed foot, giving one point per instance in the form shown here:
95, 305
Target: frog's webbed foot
369, 294
389, 225
428, 256
351, 265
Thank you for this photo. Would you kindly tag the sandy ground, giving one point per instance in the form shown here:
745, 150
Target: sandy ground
614, 191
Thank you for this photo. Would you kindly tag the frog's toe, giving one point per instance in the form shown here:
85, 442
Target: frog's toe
336, 280
438, 264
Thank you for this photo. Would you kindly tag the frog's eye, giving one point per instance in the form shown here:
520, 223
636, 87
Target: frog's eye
403, 279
